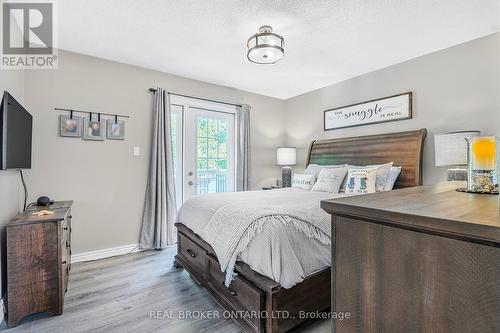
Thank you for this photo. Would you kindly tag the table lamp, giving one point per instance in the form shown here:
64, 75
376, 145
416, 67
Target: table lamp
286, 157
451, 150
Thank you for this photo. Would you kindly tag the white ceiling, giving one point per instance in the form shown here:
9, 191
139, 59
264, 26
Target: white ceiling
326, 41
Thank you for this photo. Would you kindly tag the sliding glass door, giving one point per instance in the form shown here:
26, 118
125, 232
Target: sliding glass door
204, 147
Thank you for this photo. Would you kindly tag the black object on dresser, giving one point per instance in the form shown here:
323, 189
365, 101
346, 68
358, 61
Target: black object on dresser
421, 259
38, 261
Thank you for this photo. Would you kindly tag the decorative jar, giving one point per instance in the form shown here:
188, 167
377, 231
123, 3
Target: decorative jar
482, 174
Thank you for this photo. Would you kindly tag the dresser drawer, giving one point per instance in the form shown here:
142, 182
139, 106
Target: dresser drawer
68, 257
193, 255
241, 295
66, 250
64, 276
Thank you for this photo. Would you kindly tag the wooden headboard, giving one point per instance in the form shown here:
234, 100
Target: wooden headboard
405, 149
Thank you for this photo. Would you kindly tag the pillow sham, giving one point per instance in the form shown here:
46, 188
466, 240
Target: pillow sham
361, 180
303, 181
392, 177
329, 180
314, 169
382, 173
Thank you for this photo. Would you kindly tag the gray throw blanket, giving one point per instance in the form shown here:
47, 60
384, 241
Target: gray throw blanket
234, 225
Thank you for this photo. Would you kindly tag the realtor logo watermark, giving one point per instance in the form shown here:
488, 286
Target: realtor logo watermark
29, 34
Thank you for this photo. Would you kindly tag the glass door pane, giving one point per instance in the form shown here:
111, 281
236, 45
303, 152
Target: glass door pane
212, 159
209, 152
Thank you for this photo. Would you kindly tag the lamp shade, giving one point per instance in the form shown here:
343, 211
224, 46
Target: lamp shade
451, 148
286, 156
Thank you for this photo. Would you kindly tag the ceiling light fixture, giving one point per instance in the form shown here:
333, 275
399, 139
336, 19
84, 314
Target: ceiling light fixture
265, 47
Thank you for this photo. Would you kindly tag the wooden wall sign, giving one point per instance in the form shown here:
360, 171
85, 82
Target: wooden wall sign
391, 108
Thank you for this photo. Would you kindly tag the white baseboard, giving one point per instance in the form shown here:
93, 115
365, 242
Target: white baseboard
105, 253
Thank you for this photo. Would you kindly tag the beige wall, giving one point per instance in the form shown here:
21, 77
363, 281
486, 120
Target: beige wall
10, 196
104, 179
454, 89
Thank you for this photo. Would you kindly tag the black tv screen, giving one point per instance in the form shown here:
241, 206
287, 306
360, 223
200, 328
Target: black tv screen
15, 134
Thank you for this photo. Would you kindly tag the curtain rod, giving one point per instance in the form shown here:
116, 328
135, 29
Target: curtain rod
93, 112
153, 90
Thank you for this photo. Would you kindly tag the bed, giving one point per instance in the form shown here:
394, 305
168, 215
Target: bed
258, 302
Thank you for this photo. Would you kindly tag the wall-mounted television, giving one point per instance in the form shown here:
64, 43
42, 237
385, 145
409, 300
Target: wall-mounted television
15, 134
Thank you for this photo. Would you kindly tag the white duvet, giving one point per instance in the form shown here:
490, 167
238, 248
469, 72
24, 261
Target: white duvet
279, 247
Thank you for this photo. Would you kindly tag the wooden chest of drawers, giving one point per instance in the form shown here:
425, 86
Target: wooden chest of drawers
38, 262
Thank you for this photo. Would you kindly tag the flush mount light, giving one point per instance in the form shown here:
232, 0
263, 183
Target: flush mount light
265, 47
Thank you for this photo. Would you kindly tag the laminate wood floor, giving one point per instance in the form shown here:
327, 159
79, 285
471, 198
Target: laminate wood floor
118, 294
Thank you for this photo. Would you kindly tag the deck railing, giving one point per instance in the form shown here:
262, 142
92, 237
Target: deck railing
211, 181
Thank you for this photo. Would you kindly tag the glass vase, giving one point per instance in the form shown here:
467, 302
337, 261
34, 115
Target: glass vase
482, 175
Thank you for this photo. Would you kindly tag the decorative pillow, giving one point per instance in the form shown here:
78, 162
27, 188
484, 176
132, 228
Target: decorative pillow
329, 180
303, 181
361, 180
382, 173
314, 169
392, 177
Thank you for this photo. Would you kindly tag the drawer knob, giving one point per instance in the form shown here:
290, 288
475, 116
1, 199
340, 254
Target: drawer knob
67, 244
65, 228
64, 262
231, 290
70, 216
191, 253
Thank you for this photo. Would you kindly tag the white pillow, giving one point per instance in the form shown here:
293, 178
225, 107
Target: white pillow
392, 177
329, 180
361, 180
382, 173
303, 181
314, 169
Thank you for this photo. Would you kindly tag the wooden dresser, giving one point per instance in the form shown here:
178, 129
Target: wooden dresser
421, 259
38, 262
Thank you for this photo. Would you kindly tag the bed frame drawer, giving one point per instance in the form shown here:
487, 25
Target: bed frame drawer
194, 256
240, 296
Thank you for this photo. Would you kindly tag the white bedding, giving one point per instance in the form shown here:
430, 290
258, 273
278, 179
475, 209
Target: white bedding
278, 250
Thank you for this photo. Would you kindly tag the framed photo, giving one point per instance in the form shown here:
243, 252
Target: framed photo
391, 108
93, 130
70, 127
115, 130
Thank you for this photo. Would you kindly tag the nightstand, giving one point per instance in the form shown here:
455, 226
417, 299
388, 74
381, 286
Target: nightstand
265, 188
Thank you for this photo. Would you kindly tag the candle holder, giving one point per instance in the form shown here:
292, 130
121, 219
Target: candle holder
482, 174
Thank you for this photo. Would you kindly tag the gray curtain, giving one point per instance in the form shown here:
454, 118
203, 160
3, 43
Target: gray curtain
160, 210
242, 147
